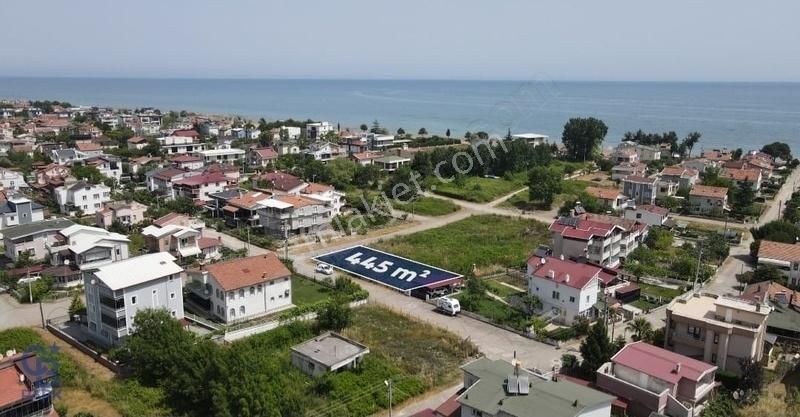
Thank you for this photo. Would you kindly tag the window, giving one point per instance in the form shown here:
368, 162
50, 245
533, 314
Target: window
231, 295
241, 292
133, 300
170, 278
241, 310
556, 295
232, 312
252, 290
172, 295
714, 358
587, 298
571, 299
96, 196
716, 339
84, 198
638, 215
260, 288
174, 313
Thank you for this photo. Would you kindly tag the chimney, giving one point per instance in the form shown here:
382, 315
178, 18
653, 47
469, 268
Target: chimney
566, 278
677, 368
561, 257
551, 274
571, 212
543, 261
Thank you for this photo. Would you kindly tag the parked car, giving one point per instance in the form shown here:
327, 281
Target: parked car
448, 306
324, 269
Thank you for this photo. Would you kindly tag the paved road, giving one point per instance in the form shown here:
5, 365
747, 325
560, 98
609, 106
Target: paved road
14, 314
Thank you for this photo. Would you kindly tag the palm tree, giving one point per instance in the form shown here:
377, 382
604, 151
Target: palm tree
641, 329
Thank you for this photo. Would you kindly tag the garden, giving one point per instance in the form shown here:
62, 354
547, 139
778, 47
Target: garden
478, 189
487, 242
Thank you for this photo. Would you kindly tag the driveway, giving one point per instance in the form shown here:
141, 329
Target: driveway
14, 314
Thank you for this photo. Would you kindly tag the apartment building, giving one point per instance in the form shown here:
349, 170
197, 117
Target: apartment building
620, 171
16, 209
222, 154
654, 380
705, 199
686, 178
642, 190
180, 241
33, 238
318, 130
751, 176
600, 239
82, 196
198, 187
159, 181
125, 212
244, 288
647, 214
187, 162
717, 330
116, 292
567, 289
287, 215
11, 180
179, 144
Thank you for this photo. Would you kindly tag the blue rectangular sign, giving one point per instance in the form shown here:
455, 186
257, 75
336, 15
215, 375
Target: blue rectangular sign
387, 269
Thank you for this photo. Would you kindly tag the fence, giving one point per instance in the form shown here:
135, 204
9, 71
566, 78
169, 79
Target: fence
241, 333
97, 356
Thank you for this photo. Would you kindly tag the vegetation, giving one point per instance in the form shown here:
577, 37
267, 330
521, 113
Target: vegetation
640, 328
583, 137
427, 206
778, 150
596, 350
479, 189
485, 241
475, 299
543, 184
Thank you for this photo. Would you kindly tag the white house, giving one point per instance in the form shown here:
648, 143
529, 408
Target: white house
82, 249
159, 181
11, 180
534, 139
199, 187
179, 144
115, 293
326, 194
603, 240
318, 130
223, 154
187, 162
83, 196
32, 238
17, 209
567, 289
784, 256
323, 151
244, 288
647, 214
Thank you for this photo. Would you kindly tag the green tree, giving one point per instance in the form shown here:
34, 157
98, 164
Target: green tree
596, 350
777, 231
544, 183
422, 131
743, 197
76, 306
691, 140
447, 133
403, 185
89, 173
364, 127
659, 238
334, 315
400, 131
377, 129
468, 135
778, 150
157, 346
341, 172
641, 329
737, 154
583, 137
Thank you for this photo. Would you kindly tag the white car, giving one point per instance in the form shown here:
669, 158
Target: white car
324, 269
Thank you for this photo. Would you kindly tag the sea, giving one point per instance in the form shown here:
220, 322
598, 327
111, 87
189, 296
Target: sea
731, 115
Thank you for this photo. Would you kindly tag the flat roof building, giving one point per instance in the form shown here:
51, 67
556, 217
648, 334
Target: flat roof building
327, 352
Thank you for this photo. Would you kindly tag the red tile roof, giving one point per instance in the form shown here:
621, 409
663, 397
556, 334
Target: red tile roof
752, 175
244, 272
266, 153
171, 218
779, 251
678, 171
282, 181
564, 272
603, 193
708, 191
186, 158
191, 133
11, 390
639, 179
760, 291
137, 139
202, 179
661, 363
208, 242
88, 146
314, 188
662, 211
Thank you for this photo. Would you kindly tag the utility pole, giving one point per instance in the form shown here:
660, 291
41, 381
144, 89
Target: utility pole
388, 383
30, 286
697, 272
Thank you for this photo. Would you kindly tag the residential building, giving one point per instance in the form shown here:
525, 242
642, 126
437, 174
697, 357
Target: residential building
705, 199
198, 187
287, 148
716, 155
242, 210
11, 180
142, 163
160, 180
620, 171
179, 219
318, 130
243, 288
27, 384
110, 167
783, 321
717, 330
391, 163
328, 352
738, 176
379, 142
210, 248
262, 157
323, 152
33, 238
280, 183
496, 388
116, 292
89, 148
179, 144
286, 215
327, 194
666, 188
137, 142
187, 133
567, 289
67, 156
187, 162
222, 154
16, 209
645, 153
291, 132
641, 190
784, 256
611, 198
647, 214
82, 196
625, 155
686, 178
654, 380
180, 241
600, 239
355, 145
230, 171
80, 249
364, 158
125, 212
534, 139
699, 164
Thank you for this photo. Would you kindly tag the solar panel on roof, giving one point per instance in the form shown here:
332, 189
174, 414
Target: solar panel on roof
524, 385
568, 221
512, 384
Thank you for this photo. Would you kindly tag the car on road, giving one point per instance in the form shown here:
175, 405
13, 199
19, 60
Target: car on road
449, 306
324, 268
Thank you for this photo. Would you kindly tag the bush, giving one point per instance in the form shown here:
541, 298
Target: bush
728, 379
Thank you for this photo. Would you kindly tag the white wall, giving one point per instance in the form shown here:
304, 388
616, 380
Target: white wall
272, 296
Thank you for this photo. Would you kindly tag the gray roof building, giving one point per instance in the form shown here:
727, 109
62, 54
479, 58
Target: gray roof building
23, 230
496, 387
327, 352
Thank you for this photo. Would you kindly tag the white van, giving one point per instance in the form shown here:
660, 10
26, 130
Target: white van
448, 305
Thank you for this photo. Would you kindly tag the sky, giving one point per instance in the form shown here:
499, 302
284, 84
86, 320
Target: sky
626, 40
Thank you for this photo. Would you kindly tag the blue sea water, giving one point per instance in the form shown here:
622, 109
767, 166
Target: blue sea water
733, 115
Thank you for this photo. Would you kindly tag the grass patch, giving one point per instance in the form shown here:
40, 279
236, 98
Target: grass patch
570, 189
497, 288
490, 242
659, 291
428, 206
643, 304
479, 189
495, 311
306, 291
